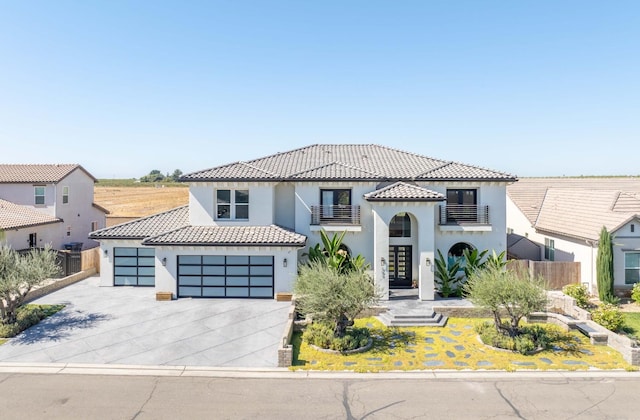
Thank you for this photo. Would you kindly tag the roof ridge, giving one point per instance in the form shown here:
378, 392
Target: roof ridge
138, 220
334, 162
258, 169
149, 238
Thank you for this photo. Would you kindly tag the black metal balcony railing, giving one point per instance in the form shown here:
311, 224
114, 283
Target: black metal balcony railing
464, 214
335, 215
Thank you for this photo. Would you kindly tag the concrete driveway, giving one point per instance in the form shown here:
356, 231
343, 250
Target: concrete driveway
126, 325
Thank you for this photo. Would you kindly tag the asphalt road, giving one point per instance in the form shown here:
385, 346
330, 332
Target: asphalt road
65, 396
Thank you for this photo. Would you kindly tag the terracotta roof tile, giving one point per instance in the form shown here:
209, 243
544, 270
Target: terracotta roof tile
145, 227
401, 191
15, 216
229, 236
577, 207
345, 162
35, 173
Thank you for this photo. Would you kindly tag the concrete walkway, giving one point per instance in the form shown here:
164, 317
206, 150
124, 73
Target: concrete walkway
126, 325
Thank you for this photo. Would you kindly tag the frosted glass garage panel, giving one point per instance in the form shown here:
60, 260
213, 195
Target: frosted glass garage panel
262, 270
213, 260
213, 292
190, 280
262, 281
213, 281
233, 270
189, 259
261, 260
261, 292
213, 270
190, 269
237, 281
237, 292
146, 281
190, 291
125, 280
237, 260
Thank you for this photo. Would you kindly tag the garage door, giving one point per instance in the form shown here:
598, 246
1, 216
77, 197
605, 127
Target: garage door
134, 266
219, 276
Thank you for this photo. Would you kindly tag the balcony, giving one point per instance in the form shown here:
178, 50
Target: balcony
466, 215
335, 215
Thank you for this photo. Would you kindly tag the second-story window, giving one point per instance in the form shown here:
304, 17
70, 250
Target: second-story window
39, 196
65, 195
232, 204
335, 203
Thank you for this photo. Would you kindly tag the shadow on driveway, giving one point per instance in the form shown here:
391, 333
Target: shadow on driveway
60, 326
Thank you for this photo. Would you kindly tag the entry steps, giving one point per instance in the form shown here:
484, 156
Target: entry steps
414, 318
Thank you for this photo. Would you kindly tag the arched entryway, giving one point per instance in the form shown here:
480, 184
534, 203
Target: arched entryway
402, 243
456, 253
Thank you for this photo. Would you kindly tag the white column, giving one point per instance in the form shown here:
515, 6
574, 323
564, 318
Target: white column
381, 255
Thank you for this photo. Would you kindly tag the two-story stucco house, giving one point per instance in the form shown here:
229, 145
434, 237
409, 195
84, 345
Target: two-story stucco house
249, 223
564, 216
48, 204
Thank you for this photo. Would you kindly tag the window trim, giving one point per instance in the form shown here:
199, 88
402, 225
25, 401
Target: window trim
233, 204
36, 195
65, 195
627, 268
549, 249
401, 228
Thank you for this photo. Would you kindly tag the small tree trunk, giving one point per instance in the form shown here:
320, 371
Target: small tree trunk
341, 326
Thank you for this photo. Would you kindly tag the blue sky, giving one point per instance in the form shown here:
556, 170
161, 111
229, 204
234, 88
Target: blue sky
533, 88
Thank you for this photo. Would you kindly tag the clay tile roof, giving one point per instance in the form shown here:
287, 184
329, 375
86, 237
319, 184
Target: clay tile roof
15, 216
146, 226
401, 191
577, 207
346, 162
37, 173
229, 236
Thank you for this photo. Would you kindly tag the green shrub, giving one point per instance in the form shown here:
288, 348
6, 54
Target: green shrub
530, 338
26, 317
609, 316
635, 293
579, 292
322, 335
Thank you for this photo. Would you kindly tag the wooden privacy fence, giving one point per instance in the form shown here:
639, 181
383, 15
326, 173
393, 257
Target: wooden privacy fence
557, 273
72, 262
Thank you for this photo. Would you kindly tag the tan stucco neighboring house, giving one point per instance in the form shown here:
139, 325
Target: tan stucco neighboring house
564, 217
249, 223
51, 204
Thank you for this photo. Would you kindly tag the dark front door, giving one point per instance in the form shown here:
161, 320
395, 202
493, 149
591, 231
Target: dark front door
399, 266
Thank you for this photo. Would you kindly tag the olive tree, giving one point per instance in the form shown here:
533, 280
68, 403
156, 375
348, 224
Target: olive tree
332, 296
506, 292
19, 274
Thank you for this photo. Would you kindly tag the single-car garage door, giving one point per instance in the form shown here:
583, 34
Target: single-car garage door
134, 266
219, 276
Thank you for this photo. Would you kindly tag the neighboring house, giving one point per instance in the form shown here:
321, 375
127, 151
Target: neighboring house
48, 204
249, 223
564, 216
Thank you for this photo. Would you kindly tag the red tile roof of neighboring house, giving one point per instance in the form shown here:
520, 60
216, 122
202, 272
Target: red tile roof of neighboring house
37, 173
15, 216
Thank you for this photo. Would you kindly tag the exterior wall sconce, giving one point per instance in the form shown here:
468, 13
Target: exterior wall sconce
284, 262
164, 261
106, 252
428, 262
383, 262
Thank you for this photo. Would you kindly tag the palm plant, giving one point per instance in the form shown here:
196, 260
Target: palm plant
447, 276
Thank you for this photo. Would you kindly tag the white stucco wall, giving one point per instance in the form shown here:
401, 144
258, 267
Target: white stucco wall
285, 205
202, 206
45, 235
284, 277
77, 214
624, 241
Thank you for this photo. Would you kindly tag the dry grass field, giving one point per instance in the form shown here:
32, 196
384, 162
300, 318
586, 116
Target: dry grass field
127, 203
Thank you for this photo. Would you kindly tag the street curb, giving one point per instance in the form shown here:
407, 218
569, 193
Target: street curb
283, 373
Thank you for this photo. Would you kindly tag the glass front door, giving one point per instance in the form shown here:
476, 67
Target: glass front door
400, 266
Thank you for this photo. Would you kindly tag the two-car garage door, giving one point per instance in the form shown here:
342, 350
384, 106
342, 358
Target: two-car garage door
222, 276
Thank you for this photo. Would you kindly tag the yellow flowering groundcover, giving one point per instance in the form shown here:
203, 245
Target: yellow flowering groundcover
455, 346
